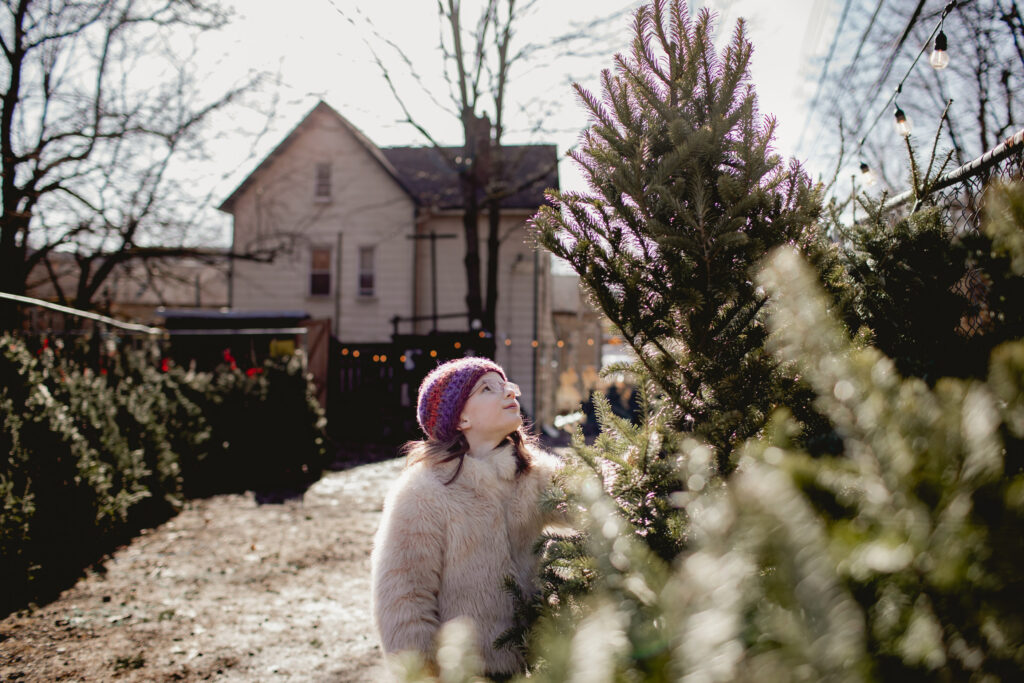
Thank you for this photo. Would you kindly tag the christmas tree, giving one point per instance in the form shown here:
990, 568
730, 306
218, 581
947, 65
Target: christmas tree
935, 298
898, 560
686, 196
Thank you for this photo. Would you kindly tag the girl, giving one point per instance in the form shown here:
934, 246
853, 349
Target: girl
463, 515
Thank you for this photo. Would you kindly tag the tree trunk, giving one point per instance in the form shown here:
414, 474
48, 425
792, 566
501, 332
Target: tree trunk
12, 222
470, 218
493, 245
476, 176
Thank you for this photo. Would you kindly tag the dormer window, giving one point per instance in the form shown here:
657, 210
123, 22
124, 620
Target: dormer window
322, 188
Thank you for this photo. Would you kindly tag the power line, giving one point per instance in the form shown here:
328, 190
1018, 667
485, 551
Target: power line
887, 68
863, 39
130, 327
848, 72
812, 31
824, 72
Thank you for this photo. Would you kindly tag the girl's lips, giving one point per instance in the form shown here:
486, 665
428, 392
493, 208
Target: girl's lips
514, 404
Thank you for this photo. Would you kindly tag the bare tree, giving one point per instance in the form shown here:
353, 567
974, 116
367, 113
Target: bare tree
100, 103
482, 55
876, 48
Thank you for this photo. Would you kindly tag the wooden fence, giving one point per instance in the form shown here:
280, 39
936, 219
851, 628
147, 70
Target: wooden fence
372, 387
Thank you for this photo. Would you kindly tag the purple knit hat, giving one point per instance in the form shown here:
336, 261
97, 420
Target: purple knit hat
444, 393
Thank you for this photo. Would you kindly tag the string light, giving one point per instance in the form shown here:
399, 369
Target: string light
902, 123
508, 342
866, 176
939, 58
903, 126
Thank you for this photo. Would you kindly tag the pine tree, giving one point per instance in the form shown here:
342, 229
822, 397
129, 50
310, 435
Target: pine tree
897, 560
685, 197
922, 514
935, 301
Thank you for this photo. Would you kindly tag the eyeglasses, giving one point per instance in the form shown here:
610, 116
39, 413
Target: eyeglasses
499, 388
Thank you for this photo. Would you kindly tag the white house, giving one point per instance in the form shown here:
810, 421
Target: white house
349, 224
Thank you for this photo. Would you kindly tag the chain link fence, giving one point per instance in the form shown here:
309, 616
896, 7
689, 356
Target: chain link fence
960, 196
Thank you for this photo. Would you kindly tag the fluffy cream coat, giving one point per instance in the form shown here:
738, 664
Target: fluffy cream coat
442, 551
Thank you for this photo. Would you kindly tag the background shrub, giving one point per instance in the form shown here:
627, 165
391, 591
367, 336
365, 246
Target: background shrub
104, 441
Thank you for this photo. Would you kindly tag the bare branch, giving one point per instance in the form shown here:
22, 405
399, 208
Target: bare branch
87, 151
364, 25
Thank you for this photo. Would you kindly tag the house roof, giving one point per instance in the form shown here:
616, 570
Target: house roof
426, 174
429, 173
228, 204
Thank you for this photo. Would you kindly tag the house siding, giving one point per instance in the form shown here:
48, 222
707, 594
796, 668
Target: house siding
518, 275
276, 208
366, 208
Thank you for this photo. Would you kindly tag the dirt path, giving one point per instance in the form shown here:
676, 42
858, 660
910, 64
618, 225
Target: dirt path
228, 591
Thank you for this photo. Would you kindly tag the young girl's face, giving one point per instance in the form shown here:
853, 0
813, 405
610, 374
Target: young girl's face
492, 410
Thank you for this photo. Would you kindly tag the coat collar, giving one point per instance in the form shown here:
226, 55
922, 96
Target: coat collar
499, 463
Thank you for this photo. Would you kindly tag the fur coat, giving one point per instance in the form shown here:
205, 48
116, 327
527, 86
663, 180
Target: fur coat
442, 551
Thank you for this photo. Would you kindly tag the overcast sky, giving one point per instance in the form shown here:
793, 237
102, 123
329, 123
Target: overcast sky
318, 53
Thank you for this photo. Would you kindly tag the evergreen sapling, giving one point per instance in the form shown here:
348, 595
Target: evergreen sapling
686, 196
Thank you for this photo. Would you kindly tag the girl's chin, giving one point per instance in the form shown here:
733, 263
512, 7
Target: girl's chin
515, 420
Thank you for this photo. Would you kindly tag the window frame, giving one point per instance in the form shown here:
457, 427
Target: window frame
327, 252
366, 292
322, 181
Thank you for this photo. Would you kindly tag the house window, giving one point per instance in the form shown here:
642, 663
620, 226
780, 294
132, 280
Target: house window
320, 271
366, 274
322, 190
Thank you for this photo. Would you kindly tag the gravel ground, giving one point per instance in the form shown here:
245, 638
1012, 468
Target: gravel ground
228, 590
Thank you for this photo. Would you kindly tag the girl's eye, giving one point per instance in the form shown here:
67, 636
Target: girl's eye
487, 387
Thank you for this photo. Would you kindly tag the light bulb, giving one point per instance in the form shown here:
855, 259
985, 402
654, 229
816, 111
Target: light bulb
866, 176
939, 58
902, 123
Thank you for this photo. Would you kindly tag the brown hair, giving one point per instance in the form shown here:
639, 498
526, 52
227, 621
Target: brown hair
436, 452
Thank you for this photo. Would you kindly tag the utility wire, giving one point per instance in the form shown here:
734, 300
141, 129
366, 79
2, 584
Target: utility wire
887, 66
887, 69
824, 72
863, 39
130, 327
847, 73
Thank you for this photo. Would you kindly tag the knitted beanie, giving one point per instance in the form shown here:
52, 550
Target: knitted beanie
444, 393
